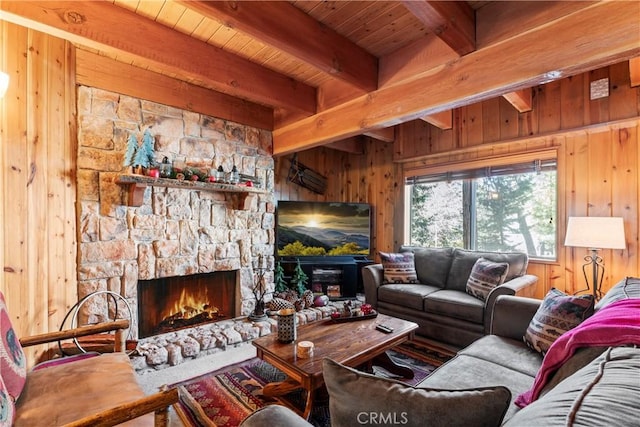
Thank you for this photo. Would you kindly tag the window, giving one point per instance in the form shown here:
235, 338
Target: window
499, 208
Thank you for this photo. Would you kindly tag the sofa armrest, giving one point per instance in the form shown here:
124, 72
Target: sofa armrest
512, 315
524, 286
372, 276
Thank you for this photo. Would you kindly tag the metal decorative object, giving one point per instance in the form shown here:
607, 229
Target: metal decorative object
306, 177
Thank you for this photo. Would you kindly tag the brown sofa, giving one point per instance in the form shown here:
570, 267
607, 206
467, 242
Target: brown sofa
439, 304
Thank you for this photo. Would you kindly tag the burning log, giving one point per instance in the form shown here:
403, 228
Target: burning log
189, 316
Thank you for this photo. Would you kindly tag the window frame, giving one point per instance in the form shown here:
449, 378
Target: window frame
457, 169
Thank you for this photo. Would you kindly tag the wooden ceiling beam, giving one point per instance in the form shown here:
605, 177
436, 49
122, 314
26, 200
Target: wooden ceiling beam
452, 21
442, 120
634, 71
104, 26
382, 134
554, 50
288, 29
106, 73
522, 100
352, 145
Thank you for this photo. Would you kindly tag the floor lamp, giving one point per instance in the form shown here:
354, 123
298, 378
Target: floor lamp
595, 233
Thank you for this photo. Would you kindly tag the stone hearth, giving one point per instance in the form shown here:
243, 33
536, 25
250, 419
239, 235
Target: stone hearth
171, 349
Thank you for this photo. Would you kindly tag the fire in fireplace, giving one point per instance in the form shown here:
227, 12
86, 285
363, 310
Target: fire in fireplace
171, 303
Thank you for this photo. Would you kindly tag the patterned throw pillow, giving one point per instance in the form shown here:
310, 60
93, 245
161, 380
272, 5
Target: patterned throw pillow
13, 364
398, 268
557, 314
486, 275
7, 407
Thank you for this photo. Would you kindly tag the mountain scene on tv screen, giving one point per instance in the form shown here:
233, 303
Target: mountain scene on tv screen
308, 229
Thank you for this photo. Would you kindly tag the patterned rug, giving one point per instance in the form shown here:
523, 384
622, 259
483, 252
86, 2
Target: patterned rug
225, 397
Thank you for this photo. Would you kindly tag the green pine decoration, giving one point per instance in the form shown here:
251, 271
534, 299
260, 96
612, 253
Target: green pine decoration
132, 148
278, 278
147, 146
299, 279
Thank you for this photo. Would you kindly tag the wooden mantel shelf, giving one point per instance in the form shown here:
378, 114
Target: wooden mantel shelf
137, 184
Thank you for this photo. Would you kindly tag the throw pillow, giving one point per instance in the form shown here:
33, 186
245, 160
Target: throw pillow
398, 268
557, 314
357, 398
7, 406
13, 363
486, 275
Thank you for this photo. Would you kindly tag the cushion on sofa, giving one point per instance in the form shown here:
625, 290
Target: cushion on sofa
432, 264
398, 268
603, 393
486, 275
557, 314
463, 261
465, 371
406, 295
13, 363
506, 352
629, 287
357, 398
458, 305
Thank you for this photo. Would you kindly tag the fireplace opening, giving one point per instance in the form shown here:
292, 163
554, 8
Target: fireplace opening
172, 303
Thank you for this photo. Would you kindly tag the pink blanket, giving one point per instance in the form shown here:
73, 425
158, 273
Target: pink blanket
616, 324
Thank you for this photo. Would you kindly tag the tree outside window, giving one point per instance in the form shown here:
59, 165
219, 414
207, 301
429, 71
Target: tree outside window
512, 208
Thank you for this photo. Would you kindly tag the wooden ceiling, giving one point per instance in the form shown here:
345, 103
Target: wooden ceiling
328, 70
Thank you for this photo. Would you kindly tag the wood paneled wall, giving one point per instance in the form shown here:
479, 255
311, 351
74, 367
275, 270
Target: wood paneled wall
598, 160
37, 173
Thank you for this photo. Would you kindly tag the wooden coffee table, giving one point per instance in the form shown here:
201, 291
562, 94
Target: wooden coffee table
352, 344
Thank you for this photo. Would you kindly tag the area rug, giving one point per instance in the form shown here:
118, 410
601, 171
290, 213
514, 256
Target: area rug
225, 397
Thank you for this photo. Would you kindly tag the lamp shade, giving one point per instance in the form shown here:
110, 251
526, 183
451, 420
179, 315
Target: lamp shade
4, 83
595, 232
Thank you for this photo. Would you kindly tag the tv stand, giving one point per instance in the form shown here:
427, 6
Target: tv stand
338, 277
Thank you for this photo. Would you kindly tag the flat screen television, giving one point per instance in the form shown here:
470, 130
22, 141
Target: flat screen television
323, 228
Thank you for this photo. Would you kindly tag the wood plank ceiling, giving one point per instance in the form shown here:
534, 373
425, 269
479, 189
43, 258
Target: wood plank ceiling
330, 70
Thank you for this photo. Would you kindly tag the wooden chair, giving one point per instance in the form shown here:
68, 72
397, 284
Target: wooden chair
80, 390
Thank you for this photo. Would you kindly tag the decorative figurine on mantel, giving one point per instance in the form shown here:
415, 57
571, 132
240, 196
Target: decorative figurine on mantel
139, 157
132, 148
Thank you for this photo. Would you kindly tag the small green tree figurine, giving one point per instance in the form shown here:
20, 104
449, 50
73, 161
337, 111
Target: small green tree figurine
299, 280
278, 279
147, 146
132, 148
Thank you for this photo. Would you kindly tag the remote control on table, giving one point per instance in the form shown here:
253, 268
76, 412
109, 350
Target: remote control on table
384, 328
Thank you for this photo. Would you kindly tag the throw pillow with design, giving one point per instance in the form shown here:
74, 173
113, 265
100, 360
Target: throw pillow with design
557, 314
357, 398
7, 406
13, 363
398, 268
486, 275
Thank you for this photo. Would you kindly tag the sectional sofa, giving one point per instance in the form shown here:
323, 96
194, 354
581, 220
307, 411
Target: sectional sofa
597, 384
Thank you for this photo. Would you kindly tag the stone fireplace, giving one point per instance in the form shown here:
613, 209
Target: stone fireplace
175, 232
